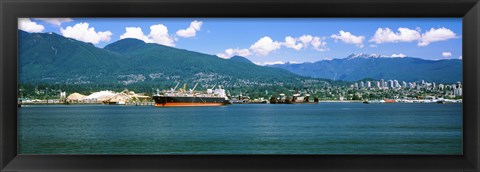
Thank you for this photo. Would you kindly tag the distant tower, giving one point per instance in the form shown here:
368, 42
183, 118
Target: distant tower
63, 95
391, 84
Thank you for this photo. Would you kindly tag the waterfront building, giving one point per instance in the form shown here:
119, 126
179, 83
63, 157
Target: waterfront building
63, 95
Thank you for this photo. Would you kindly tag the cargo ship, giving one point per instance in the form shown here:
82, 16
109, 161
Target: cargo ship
183, 98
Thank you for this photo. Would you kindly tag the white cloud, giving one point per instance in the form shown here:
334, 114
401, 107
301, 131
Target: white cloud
264, 46
158, 34
446, 54
318, 44
55, 21
398, 55
191, 31
233, 52
434, 35
460, 57
306, 39
135, 32
273, 63
373, 46
83, 32
349, 38
27, 25
291, 42
386, 35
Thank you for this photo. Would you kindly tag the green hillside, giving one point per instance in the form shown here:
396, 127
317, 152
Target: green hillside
130, 63
51, 58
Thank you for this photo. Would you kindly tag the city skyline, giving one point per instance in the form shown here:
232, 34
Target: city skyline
271, 41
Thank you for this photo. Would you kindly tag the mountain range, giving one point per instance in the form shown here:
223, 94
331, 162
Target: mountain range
360, 66
53, 59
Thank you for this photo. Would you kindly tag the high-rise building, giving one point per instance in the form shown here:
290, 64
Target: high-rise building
457, 92
411, 85
440, 86
396, 84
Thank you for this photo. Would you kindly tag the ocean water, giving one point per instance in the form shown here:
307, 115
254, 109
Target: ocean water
324, 128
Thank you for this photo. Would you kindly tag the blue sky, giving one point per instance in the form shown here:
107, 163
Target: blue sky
267, 40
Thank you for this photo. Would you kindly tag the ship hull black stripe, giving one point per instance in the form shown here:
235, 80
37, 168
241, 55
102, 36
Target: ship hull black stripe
166, 99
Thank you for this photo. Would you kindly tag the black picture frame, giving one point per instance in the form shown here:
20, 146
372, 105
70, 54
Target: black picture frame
10, 10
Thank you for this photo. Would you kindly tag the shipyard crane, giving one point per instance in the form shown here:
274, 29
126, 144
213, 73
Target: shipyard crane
191, 90
173, 89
